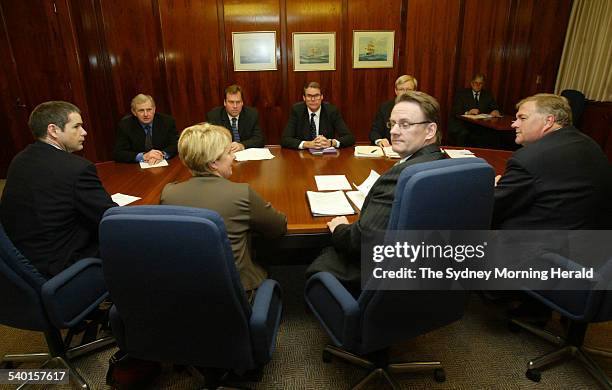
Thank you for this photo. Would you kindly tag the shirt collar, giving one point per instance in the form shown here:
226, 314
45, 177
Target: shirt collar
318, 112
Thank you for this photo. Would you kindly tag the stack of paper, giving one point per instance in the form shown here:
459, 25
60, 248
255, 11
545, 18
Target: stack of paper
253, 154
162, 163
329, 203
329, 150
458, 153
332, 182
368, 151
390, 153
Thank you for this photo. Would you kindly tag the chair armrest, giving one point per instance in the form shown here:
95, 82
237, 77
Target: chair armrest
265, 319
334, 306
71, 295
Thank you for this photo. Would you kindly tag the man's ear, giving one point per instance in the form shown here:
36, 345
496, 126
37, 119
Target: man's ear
52, 131
432, 129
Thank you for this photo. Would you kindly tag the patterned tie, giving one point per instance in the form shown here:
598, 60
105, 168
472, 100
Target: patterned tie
148, 138
235, 133
313, 127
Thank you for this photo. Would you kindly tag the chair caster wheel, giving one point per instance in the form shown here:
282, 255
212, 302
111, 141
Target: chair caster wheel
533, 375
326, 356
439, 375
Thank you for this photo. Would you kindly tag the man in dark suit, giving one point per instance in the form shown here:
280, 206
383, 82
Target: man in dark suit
242, 121
314, 124
471, 101
145, 135
379, 135
415, 137
53, 200
559, 179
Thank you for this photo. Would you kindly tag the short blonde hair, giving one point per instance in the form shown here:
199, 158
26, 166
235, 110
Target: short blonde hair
202, 144
406, 78
141, 98
551, 104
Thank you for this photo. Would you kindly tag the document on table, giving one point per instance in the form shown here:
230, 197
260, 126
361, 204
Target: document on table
478, 116
254, 154
357, 197
332, 183
368, 151
145, 165
390, 153
123, 199
329, 203
458, 153
368, 183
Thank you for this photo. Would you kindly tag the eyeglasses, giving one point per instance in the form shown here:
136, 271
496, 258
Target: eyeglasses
313, 97
404, 125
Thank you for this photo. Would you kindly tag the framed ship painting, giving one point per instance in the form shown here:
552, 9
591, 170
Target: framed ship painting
254, 50
373, 49
314, 51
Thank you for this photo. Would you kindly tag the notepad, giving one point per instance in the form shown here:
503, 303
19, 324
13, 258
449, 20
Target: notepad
368, 151
332, 182
328, 203
145, 165
254, 154
458, 153
123, 199
390, 153
330, 150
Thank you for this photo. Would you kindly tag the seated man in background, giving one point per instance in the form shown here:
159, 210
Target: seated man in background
379, 135
471, 101
314, 124
205, 150
559, 179
53, 200
415, 137
145, 135
241, 120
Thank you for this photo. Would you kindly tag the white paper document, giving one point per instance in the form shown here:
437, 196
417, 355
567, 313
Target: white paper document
145, 165
390, 153
123, 199
332, 183
364, 187
254, 154
368, 151
357, 197
329, 203
478, 116
458, 153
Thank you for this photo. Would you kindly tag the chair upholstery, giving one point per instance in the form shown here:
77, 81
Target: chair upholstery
440, 195
31, 301
580, 308
576, 101
176, 292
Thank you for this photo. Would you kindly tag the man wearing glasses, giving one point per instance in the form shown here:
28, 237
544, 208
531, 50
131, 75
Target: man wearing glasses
314, 124
415, 137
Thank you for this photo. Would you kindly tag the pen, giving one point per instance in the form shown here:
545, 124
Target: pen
373, 150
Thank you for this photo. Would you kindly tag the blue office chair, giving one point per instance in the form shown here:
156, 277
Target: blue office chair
177, 295
576, 101
580, 308
31, 301
439, 195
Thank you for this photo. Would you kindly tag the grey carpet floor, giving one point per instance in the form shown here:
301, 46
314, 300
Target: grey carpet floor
478, 352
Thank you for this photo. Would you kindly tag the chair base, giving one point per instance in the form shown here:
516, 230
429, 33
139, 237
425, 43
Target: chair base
567, 349
381, 368
61, 361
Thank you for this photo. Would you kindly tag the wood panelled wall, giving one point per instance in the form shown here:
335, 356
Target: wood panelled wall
100, 53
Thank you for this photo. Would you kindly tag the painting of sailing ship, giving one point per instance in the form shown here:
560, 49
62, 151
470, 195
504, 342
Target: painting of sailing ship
314, 51
254, 50
373, 48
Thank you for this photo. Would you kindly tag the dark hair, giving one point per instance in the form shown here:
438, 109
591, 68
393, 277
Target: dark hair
54, 112
311, 84
429, 106
233, 89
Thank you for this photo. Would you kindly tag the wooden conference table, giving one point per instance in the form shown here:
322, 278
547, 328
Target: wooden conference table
495, 132
282, 180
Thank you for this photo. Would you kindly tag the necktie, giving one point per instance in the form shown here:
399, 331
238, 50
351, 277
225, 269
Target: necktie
476, 97
313, 127
148, 138
235, 133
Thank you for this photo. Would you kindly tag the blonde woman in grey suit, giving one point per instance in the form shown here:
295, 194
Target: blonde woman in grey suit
205, 151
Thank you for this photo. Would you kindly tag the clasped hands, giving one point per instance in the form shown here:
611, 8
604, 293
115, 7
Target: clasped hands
153, 156
320, 142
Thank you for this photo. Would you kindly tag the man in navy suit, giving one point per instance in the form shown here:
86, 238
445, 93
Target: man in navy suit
314, 124
242, 121
53, 200
471, 101
415, 137
145, 135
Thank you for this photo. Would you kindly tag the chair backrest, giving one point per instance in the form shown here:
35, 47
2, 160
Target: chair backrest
576, 101
171, 275
451, 194
20, 285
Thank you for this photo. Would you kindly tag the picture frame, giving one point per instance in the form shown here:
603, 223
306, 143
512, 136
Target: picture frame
373, 48
254, 50
314, 51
